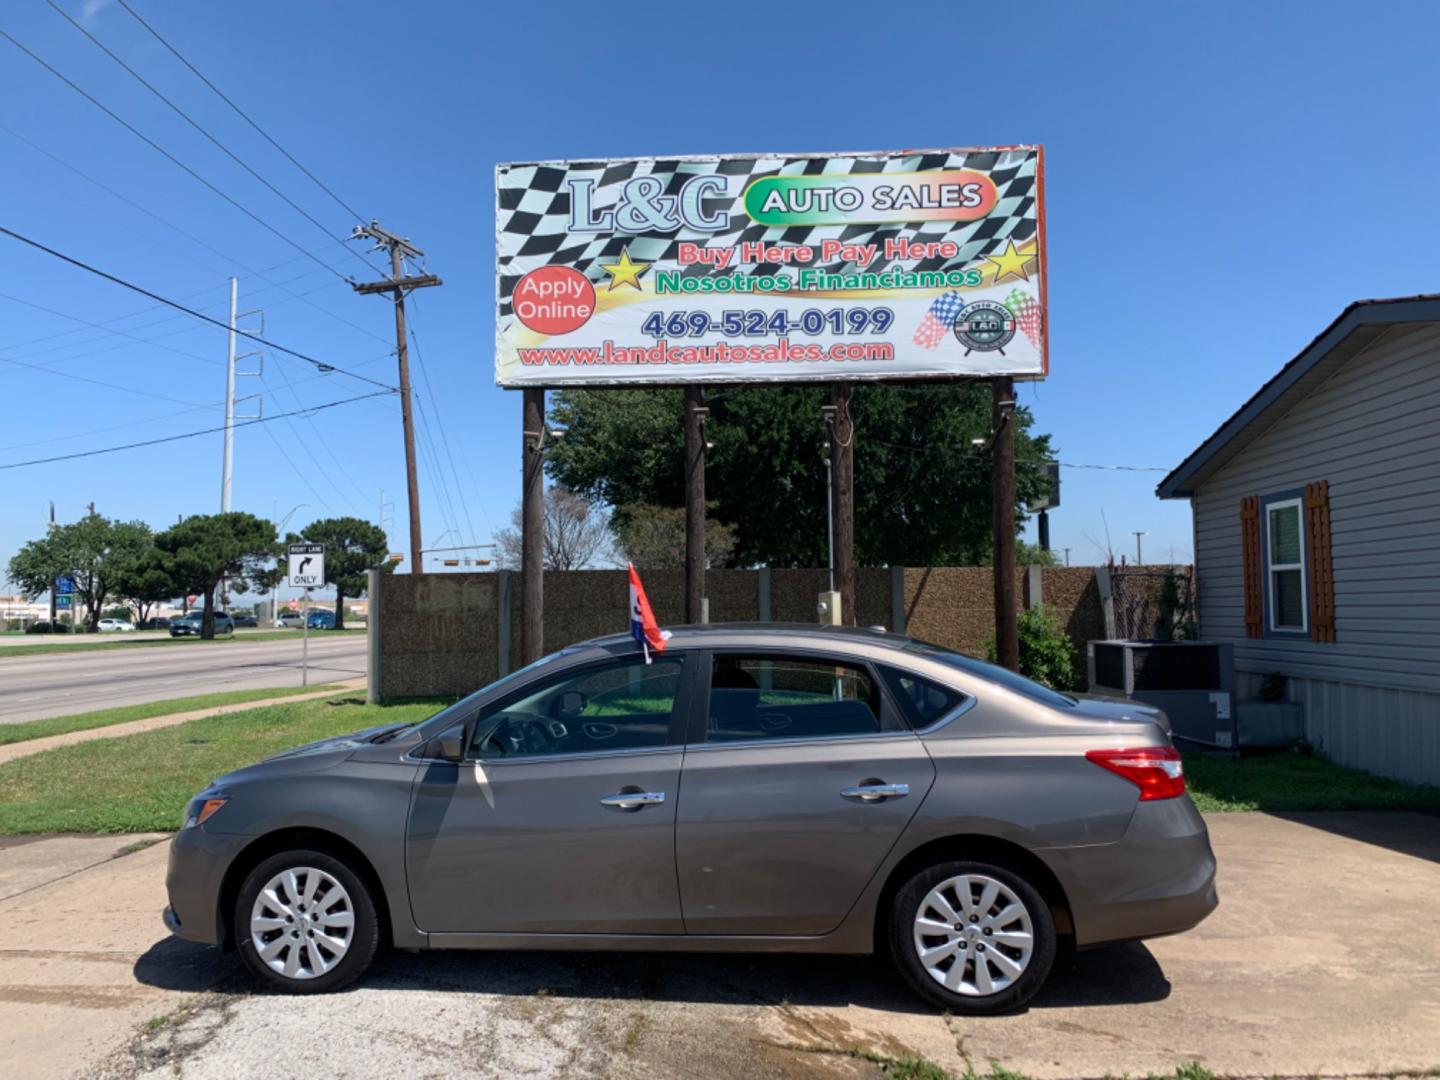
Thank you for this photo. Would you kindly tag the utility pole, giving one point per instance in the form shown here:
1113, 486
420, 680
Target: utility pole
1139, 561
398, 286
532, 528
1007, 631
1067, 556
695, 414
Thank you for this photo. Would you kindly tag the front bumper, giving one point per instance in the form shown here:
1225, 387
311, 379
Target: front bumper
1158, 879
194, 880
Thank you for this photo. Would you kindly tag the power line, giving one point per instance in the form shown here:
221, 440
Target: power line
191, 434
98, 382
439, 423
201, 129
109, 330
241, 113
181, 307
1115, 468
166, 154
149, 420
230, 259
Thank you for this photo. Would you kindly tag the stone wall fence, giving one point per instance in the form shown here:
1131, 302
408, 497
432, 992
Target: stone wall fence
449, 634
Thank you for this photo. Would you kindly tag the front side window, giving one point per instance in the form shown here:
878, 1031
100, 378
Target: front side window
1285, 565
776, 697
625, 705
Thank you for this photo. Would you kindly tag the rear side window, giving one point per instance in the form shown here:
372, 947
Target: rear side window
776, 697
925, 702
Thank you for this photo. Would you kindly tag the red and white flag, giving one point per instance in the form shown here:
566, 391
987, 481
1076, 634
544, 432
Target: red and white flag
643, 627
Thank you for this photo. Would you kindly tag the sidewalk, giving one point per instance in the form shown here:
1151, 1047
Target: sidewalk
114, 731
72, 968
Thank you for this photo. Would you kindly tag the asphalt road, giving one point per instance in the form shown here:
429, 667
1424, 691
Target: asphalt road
59, 684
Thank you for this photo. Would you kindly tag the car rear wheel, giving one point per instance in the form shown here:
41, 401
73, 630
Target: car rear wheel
305, 923
972, 937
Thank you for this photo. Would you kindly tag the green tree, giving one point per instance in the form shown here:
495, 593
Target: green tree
95, 551
202, 549
653, 537
922, 486
352, 546
146, 583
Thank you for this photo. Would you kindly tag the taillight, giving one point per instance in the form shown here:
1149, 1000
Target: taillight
1156, 770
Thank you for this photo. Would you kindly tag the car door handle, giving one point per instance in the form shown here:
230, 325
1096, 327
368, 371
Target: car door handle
876, 792
633, 800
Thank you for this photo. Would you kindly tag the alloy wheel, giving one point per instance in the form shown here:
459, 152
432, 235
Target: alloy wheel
973, 935
302, 923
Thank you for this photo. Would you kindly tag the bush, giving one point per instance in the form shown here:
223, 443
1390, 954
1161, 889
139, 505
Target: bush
1047, 654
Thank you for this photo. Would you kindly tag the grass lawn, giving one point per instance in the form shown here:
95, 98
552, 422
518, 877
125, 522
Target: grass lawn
1291, 781
117, 641
140, 783
59, 725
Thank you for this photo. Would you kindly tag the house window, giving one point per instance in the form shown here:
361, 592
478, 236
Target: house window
1285, 565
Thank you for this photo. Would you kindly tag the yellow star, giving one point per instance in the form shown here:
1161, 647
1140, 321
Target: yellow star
1010, 261
624, 272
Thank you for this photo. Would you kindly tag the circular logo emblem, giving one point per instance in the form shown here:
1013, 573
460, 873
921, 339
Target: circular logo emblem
985, 326
554, 300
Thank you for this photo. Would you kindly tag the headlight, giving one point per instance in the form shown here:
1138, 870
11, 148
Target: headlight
201, 809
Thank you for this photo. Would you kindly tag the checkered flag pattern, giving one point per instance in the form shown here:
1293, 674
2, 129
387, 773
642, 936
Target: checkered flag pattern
936, 325
1026, 310
533, 213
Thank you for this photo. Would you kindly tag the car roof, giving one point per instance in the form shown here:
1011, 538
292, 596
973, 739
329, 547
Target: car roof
760, 634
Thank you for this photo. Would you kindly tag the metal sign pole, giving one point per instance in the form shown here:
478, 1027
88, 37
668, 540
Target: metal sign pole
305, 642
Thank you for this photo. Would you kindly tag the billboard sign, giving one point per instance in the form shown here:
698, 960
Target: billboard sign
771, 268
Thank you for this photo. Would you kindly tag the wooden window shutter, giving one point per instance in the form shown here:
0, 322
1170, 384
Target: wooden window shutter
1322, 565
1254, 571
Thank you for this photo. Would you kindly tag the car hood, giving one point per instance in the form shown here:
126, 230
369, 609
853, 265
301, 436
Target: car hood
1120, 710
311, 757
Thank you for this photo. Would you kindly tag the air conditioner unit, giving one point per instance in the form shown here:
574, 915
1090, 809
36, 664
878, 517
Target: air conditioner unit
1193, 681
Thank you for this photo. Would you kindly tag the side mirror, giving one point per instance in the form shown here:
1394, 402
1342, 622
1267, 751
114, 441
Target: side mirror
571, 704
449, 745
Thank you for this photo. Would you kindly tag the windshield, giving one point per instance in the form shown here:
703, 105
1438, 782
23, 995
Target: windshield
454, 714
992, 673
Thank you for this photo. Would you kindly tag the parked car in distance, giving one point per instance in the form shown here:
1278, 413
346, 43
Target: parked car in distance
246, 620
754, 787
108, 626
189, 624
320, 619
160, 623
44, 626
290, 619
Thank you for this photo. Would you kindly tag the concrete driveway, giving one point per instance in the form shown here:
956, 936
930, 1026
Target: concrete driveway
1323, 959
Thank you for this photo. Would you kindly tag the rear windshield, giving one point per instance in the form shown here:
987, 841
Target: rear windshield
992, 673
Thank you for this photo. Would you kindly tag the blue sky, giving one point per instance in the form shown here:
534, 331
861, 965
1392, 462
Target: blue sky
1222, 180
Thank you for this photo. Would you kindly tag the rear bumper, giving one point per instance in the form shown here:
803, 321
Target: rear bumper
1158, 879
193, 881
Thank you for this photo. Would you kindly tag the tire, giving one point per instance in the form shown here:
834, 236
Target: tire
1014, 968
337, 906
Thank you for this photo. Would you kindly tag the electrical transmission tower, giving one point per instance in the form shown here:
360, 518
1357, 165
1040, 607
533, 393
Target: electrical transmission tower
398, 286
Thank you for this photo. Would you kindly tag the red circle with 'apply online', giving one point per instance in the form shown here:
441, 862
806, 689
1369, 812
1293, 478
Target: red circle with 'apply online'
554, 300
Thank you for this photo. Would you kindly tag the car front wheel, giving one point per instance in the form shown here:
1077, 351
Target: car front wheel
305, 923
972, 937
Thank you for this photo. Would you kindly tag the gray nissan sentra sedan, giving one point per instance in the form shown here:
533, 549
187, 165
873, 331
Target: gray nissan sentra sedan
754, 788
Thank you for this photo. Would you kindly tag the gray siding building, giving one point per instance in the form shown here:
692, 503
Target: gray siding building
1317, 536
